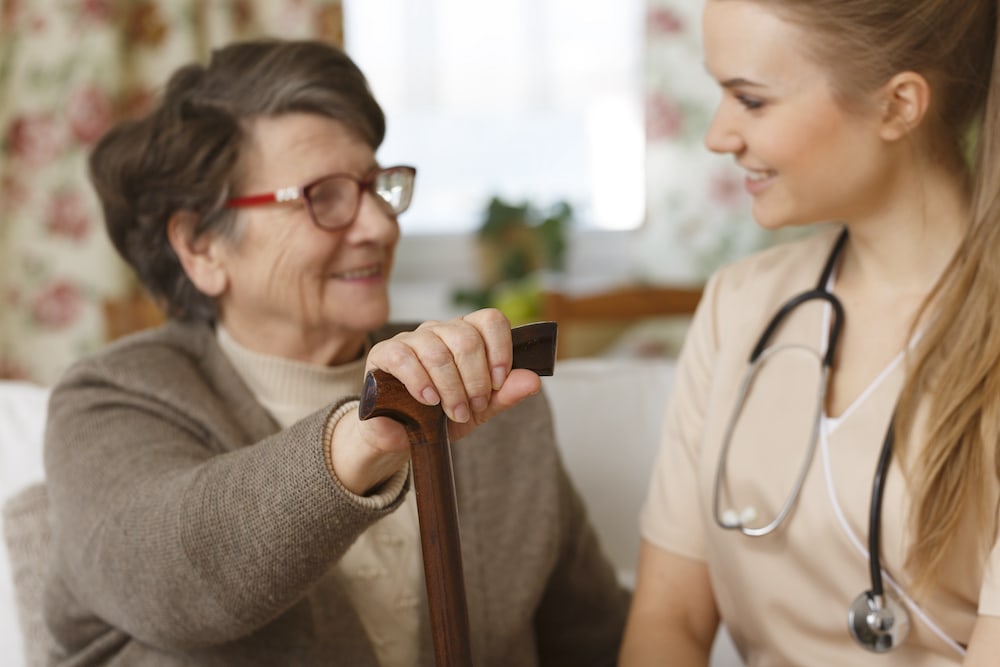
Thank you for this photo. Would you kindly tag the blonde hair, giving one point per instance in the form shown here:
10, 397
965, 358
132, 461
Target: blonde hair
956, 366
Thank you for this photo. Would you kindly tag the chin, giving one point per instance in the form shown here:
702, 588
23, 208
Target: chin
378, 323
358, 314
774, 220
370, 321
770, 223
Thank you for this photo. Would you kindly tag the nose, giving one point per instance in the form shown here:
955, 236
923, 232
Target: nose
374, 222
722, 135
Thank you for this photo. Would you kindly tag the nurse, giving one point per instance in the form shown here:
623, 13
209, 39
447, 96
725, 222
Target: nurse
827, 483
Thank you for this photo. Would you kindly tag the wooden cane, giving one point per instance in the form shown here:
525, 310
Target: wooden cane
434, 483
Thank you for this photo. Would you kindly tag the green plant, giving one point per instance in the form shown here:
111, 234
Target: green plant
515, 243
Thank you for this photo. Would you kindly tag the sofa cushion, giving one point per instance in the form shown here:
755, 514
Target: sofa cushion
27, 538
22, 420
607, 415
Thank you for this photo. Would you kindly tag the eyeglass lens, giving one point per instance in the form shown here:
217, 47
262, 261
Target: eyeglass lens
334, 201
395, 186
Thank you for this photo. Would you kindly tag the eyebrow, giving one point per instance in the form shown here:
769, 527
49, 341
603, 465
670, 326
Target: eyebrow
739, 82
734, 82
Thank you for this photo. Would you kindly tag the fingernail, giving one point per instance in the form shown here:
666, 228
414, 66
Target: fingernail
430, 396
479, 403
498, 376
461, 413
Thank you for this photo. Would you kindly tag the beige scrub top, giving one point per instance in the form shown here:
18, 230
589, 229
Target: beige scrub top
784, 597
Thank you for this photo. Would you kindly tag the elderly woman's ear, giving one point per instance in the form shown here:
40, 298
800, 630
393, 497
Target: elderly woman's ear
201, 256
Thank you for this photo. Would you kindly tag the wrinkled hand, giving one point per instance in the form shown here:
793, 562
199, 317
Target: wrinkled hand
463, 364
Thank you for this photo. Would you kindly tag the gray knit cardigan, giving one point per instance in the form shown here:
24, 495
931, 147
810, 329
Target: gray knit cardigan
189, 530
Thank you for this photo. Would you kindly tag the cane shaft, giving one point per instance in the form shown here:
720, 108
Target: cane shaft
437, 510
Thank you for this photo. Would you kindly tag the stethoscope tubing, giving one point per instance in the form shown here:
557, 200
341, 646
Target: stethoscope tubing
820, 293
875, 509
757, 357
720, 469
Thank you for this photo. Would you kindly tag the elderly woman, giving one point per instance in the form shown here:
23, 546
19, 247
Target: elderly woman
216, 499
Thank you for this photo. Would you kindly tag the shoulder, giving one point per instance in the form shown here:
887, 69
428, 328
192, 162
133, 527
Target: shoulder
175, 374
178, 365
173, 349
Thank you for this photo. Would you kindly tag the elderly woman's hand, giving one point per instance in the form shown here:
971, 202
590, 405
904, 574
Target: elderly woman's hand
462, 364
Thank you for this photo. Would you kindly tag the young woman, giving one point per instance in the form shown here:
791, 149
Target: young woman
827, 485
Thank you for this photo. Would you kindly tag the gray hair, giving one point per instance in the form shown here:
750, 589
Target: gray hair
185, 155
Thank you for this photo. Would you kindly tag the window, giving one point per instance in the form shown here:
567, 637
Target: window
528, 100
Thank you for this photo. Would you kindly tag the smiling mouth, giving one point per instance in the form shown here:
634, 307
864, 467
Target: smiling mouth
359, 274
758, 176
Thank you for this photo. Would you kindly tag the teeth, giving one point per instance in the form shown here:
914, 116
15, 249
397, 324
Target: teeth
361, 273
758, 175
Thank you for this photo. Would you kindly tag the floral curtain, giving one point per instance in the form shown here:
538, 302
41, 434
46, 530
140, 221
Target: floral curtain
68, 70
698, 213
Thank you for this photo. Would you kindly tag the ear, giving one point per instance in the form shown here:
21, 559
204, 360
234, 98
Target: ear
905, 101
201, 257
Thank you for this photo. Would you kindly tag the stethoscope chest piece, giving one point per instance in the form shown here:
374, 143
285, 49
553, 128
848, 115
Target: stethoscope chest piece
878, 623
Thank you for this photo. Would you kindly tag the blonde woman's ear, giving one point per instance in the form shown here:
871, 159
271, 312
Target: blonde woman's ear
201, 257
906, 99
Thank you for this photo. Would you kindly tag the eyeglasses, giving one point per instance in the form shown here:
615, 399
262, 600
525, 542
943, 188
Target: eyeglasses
333, 200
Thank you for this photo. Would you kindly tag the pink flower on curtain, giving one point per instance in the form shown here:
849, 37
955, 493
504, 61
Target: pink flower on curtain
13, 192
67, 215
11, 12
12, 297
58, 305
663, 21
34, 138
90, 114
664, 117
97, 10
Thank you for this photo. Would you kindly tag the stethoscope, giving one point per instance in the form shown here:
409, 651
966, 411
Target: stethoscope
876, 620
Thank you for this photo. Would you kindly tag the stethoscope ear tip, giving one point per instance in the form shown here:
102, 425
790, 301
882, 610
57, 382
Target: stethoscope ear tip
732, 519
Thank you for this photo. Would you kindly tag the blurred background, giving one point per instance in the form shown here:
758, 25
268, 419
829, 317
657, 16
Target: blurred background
558, 144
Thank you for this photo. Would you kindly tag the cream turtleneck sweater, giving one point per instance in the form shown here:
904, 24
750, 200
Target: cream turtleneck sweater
382, 572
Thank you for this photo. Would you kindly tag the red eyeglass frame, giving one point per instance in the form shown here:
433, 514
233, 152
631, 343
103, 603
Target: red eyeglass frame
292, 193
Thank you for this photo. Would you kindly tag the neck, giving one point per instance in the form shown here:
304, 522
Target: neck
906, 246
